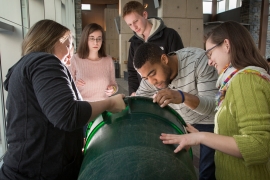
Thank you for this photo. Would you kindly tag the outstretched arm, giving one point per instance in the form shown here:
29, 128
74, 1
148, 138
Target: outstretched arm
112, 104
167, 96
224, 144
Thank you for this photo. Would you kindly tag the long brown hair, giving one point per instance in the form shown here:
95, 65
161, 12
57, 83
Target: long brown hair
244, 52
42, 37
83, 49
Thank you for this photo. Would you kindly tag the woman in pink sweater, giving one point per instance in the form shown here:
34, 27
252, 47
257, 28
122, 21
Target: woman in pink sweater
92, 70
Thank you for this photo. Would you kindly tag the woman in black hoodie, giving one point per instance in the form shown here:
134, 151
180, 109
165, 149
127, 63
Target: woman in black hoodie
46, 114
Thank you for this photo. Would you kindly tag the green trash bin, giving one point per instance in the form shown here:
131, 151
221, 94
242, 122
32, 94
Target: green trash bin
126, 145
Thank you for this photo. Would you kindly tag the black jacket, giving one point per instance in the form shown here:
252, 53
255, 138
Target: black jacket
45, 120
164, 37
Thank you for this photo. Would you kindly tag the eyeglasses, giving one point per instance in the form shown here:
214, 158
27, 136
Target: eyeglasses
207, 52
91, 39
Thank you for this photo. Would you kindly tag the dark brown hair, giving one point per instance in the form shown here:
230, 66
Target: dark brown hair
147, 52
244, 52
133, 6
42, 37
83, 49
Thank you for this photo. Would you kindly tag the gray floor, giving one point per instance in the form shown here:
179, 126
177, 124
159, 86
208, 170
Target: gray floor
123, 88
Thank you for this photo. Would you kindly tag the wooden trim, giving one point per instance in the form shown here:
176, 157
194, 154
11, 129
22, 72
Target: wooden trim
263, 26
214, 10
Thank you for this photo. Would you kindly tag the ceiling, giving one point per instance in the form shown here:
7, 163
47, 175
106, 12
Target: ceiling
100, 1
117, 1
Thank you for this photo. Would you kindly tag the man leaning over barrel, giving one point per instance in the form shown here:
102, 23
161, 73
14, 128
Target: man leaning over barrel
184, 81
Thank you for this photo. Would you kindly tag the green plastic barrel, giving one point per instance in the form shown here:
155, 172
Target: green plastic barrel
126, 145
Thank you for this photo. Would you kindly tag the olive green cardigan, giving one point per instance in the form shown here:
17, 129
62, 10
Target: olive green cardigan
245, 116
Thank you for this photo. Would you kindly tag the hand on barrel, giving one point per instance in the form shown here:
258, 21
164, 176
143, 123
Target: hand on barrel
184, 141
117, 103
166, 96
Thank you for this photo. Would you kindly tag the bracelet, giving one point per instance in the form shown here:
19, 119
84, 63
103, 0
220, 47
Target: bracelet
114, 89
183, 96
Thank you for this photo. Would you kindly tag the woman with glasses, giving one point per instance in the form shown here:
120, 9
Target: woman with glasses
242, 121
92, 70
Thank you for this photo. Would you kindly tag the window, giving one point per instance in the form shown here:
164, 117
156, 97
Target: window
25, 16
207, 7
3, 144
221, 6
232, 4
86, 7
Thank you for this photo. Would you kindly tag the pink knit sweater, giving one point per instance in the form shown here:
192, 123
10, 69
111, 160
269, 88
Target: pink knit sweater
97, 75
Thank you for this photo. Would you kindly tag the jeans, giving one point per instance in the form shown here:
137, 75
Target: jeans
207, 164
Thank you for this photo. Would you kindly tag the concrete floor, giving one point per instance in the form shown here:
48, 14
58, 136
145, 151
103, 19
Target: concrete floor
123, 88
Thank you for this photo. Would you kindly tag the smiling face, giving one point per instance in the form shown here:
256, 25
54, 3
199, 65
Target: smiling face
157, 74
95, 41
218, 54
63, 46
136, 22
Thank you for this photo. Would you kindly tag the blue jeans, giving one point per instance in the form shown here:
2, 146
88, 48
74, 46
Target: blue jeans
207, 164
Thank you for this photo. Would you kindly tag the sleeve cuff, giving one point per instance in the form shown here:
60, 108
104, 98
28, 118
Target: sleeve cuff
206, 106
84, 112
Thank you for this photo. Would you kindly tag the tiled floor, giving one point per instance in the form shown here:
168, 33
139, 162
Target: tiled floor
123, 88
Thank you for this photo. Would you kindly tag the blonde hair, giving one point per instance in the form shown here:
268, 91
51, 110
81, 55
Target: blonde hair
42, 37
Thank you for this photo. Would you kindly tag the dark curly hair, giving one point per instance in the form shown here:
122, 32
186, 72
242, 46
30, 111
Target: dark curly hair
147, 52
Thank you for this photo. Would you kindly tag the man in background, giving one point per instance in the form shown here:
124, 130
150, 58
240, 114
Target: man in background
146, 30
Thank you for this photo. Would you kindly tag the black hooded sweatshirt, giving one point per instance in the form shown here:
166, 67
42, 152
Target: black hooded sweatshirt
45, 120
166, 38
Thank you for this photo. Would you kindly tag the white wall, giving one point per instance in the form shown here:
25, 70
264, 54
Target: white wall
11, 10
10, 42
62, 11
49, 9
36, 11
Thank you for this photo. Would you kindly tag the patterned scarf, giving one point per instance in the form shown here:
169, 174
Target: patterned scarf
227, 75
